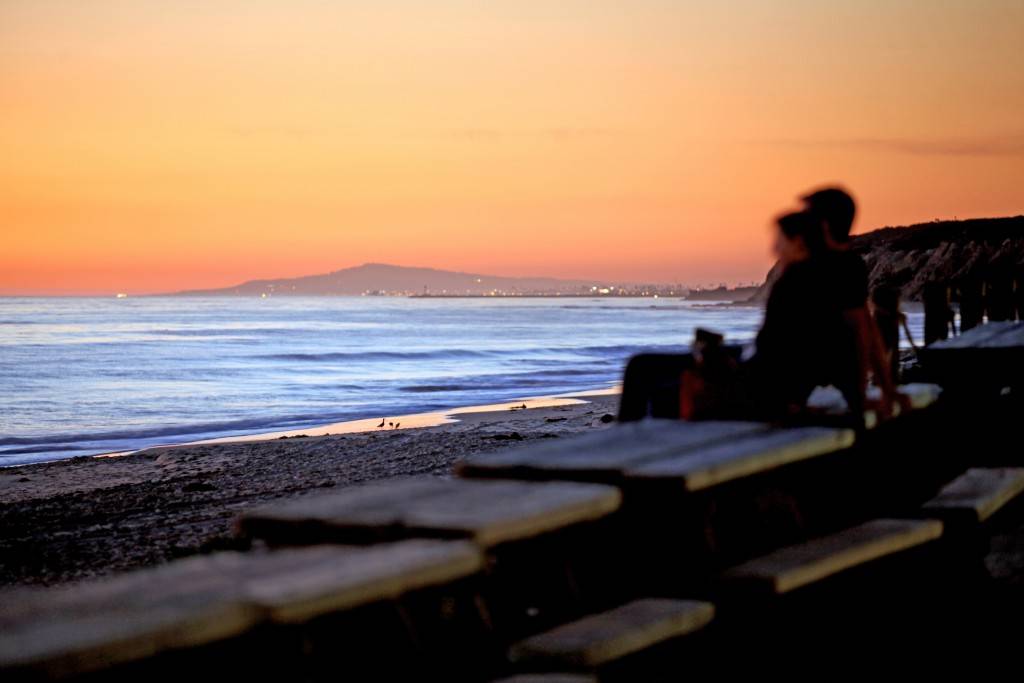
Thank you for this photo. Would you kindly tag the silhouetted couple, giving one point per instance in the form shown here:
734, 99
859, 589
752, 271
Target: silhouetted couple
817, 331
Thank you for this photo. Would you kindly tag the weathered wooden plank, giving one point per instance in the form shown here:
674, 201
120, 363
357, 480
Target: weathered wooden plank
726, 462
496, 512
800, 565
299, 585
204, 600
97, 624
974, 337
601, 638
603, 456
617, 437
374, 503
977, 494
489, 512
1012, 337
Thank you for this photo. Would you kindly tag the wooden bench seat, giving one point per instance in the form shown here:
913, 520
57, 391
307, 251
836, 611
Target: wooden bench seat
797, 566
603, 456
487, 512
295, 586
707, 467
696, 454
63, 631
209, 599
980, 362
599, 639
976, 495
988, 335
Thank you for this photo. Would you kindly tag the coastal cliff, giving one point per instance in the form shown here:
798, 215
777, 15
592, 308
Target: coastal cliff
945, 251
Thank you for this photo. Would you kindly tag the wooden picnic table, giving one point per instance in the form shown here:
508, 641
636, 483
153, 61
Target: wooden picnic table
699, 455
206, 600
531, 533
680, 520
488, 512
991, 356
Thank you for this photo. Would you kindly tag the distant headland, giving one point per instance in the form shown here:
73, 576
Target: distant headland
380, 279
903, 257
907, 257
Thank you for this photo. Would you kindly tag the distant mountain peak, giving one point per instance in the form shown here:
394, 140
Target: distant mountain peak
389, 279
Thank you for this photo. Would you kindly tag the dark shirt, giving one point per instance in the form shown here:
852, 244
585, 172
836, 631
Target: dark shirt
849, 276
804, 341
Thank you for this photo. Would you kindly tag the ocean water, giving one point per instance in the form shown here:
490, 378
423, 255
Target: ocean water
82, 376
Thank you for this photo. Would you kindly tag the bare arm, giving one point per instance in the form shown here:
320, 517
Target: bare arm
906, 331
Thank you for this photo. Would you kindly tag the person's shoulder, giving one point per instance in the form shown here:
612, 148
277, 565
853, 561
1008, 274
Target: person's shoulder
803, 277
842, 258
788, 281
844, 265
853, 261
849, 272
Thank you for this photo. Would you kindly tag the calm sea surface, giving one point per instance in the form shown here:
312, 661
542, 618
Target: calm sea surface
84, 376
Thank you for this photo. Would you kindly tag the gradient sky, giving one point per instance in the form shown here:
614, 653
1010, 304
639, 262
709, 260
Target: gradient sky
151, 146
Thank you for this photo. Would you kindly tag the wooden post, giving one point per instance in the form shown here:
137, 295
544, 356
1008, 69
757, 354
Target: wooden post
938, 315
972, 303
999, 299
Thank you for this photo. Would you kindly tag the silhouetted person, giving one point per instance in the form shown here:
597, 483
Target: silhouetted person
938, 314
885, 307
836, 210
999, 295
802, 343
972, 302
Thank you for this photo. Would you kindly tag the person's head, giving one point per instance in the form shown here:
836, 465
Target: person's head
835, 209
798, 237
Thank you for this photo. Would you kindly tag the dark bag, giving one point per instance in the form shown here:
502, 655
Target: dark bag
711, 389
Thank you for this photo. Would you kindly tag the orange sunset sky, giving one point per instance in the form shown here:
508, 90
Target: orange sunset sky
149, 146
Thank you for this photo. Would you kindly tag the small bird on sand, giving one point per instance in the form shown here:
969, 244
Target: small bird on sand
397, 425
382, 421
391, 424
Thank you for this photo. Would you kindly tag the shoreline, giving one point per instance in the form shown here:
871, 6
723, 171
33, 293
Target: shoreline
424, 420
82, 517
415, 420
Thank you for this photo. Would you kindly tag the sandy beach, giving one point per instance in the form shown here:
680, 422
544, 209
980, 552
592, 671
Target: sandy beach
89, 516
